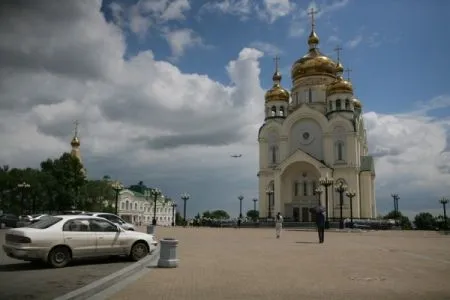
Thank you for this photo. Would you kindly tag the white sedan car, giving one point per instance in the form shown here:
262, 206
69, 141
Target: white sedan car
59, 239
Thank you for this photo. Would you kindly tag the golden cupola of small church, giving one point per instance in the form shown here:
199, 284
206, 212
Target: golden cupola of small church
277, 92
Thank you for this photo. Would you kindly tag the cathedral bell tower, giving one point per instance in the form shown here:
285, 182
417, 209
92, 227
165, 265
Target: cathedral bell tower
75, 143
276, 98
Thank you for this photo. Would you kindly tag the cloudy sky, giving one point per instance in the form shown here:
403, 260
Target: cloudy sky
166, 90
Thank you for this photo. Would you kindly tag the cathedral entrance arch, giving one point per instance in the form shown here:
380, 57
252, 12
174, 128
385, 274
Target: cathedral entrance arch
298, 182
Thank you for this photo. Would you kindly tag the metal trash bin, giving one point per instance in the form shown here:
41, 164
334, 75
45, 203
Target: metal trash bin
168, 253
150, 229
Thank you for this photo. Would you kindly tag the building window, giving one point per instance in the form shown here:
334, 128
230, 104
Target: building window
340, 150
274, 111
338, 104
282, 111
310, 99
135, 206
305, 188
126, 205
314, 187
274, 154
295, 188
347, 104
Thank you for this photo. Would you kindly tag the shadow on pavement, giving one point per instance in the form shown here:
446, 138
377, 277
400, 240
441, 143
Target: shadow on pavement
38, 265
306, 242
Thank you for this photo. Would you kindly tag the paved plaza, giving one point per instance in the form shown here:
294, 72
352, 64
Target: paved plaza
252, 264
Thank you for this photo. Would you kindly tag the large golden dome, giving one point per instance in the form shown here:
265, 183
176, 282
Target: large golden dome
277, 92
340, 85
313, 63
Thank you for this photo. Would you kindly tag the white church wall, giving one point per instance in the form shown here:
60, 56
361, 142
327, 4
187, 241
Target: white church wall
307, 135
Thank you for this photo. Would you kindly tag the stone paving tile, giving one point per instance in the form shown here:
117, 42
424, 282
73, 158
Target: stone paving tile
252, 264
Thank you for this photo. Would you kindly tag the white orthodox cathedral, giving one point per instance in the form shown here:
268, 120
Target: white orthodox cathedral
315, 131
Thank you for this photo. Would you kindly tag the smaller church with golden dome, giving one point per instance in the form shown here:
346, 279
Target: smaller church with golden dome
314, 131
75, 143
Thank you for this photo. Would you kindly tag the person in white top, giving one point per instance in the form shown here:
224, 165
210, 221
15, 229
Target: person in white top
278, 224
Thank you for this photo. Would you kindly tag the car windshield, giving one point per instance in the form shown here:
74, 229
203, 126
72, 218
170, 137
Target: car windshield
45, 222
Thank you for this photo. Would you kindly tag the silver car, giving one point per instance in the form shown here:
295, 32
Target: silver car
59, 239
113, 218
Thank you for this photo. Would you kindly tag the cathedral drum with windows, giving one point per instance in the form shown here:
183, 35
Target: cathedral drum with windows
315, 131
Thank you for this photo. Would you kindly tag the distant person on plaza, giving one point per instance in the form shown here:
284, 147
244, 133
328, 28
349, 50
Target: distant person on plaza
278, 224
320, 221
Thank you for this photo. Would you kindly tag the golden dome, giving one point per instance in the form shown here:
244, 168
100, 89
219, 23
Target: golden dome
75, 142
340, 85
313, 63
277, 93
339, 68
357, 104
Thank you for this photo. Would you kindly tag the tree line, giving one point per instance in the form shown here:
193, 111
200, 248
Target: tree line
59, 184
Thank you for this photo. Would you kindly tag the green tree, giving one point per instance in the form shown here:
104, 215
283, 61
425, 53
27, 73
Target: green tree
206, 214
425, 221
68, 181
404, 221
140, 187
219, 214
253, 214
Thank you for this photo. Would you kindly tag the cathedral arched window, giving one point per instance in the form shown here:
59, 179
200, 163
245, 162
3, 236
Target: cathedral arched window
310, 99
340, 150
126, 205
274, 111
281, 111
347, 104
338, 104
330, 105
305, 188
295, 188
274, 154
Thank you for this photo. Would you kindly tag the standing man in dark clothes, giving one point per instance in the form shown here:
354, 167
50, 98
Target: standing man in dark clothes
320, 221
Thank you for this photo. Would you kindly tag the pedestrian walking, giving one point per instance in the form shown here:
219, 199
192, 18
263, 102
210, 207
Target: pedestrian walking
320, 221
278, 224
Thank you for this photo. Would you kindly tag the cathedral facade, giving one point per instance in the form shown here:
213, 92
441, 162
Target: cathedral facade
313, 132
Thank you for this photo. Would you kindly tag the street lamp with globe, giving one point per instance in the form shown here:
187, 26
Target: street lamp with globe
444, 202
117, 187
341, 188
269, 193
326, 182
351, 195
155, 193
185, 197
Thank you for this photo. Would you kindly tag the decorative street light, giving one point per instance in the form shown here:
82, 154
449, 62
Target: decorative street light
117, 187
22, 186
444, 202
174, 205
351, 195
184, 197
341, 188
254, 203
326, 182
269, 193
155, 193
396, 212
240, 205
318, 191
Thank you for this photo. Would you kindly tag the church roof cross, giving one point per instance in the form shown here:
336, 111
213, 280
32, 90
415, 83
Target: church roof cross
276, 59
76, 127
348, 73
338, 50
312, 12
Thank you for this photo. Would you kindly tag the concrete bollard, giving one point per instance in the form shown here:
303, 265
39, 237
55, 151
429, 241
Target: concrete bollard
168, 253
150, 229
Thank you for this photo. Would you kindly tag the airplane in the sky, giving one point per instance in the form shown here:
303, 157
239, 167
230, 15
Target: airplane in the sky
236, 155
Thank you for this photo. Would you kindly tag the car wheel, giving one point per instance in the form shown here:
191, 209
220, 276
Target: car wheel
59, 257
138, 251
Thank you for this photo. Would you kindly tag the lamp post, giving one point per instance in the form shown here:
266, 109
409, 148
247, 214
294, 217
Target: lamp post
254, 203
269, 193
396, 212
326, 182
318, 192
155, 193
117, 187
174, 205
444, 202
351, 195
341, 188
240, 205
22, 186
184, 197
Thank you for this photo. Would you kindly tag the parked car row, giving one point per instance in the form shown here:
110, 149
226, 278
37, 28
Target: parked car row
59, 239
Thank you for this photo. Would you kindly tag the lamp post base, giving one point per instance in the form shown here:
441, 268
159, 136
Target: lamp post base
154, 222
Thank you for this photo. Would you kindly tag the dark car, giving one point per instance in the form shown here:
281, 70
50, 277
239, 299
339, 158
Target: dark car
9, 220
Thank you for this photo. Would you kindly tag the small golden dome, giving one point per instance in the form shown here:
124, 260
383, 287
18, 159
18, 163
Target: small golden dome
340, 86
75, 142
313, 38
277, 93
357, 104
339, 68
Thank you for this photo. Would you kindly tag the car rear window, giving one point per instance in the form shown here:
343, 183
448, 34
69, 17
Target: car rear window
45, 223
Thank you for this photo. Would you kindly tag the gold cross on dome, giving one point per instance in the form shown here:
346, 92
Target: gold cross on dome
312, 12
348, 73
338, 51
76, 127
276, 59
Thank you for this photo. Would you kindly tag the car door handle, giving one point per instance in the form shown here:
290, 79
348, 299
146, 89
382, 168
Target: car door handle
68, 238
